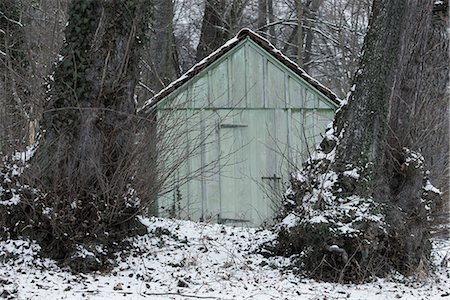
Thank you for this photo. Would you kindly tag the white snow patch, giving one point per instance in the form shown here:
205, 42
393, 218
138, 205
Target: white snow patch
46, 211
24, 156
196, 260
346, 229
431, 188
328, 179
82, 252
318, 220
291, 220
334, 248
300, 177
352, 173
14, 200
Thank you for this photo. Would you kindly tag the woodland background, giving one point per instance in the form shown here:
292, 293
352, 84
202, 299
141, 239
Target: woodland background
327, 45
50, 71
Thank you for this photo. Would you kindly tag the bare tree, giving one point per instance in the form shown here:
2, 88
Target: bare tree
13, 65
160, 61
266, 19
31, 36
213, 33
221, 21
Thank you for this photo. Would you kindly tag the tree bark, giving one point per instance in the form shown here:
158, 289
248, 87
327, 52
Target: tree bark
265, 18
300, 46
360, 192
311, 15
214, 32
262, 14
81, 175
162, 57
419, 114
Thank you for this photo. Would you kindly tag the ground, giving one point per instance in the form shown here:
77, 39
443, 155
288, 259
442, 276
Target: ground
187, 260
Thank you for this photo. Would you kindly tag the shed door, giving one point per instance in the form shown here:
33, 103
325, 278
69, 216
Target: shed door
235, 194
269, 133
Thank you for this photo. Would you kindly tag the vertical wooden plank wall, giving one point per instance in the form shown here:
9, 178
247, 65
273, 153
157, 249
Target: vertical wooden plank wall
251, 115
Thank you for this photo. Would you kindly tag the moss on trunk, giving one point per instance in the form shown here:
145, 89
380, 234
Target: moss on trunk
359, 206
80, 181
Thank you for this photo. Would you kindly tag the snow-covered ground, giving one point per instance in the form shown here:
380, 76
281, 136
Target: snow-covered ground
187, 260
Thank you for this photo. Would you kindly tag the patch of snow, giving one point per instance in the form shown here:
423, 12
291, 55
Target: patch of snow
82, 252
329, 133
352, 173
300, 177
334, 248
14, 200
320, 155
431, 188
328, 179
24, 156
291, 220
346, 229
318, 220
413, 156
196, 260
46, 211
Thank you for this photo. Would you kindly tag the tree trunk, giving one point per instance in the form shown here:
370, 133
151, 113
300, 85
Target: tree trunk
266, 19
359, 204
420, 113
88, 121
311, 15
82, 167
271, 21
162, 55
234, 20
299, 11
214, 32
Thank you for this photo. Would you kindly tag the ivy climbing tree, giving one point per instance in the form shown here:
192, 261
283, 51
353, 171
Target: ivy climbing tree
81, 175
361, 204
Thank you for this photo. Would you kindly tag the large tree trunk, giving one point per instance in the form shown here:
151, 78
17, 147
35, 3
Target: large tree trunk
214, 32
88, 122
82, 168
299, 32
420, 115
360, 204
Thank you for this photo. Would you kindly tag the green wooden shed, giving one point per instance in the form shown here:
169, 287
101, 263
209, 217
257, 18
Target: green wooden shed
233, 127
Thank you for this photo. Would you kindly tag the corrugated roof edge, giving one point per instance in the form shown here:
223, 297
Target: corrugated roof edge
243, 33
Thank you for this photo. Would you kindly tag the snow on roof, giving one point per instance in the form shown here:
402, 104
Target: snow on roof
242, 35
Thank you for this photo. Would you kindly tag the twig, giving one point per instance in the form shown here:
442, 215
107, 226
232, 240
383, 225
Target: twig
10, 20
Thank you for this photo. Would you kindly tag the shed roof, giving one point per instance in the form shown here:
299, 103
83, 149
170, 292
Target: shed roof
228, 46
